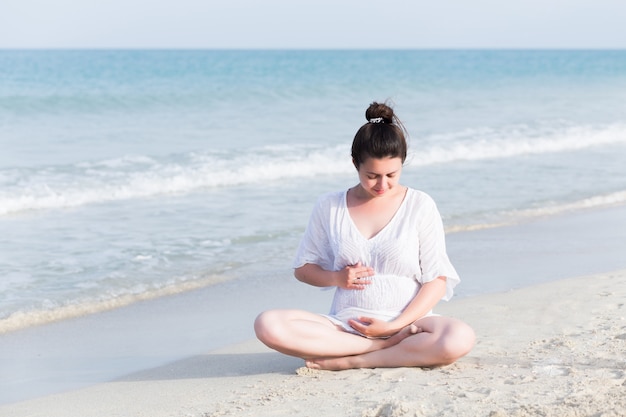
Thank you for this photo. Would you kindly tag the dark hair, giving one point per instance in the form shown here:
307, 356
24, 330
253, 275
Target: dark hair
382, 136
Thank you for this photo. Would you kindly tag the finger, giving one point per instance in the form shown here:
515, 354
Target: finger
360, 274
367, 272
359, 327
360, 285
357, 286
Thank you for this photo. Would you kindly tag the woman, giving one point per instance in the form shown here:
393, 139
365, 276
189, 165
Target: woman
382, 245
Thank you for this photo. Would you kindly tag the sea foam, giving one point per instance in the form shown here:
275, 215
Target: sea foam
480, 144
27, 318
141, 176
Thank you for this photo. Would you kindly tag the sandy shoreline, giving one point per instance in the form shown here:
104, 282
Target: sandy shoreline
551, 346
555, 349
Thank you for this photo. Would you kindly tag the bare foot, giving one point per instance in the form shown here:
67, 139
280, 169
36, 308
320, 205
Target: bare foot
332, 364
351, 362
409, 330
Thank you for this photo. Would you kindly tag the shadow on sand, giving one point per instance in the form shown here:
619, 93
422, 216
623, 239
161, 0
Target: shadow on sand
220, 365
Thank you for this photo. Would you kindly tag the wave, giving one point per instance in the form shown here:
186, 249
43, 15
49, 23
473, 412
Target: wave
507, 218
23, 319
28, 318
132, 177
598, 201
479, 144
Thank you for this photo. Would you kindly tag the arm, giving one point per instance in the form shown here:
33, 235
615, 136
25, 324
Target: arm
351, 277
427, 297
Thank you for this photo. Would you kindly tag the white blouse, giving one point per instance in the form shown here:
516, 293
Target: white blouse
408, 252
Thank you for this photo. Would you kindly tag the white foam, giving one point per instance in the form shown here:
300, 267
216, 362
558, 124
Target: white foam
139, 177
482, 144
604, 200
515, 216
51, 313
132, 177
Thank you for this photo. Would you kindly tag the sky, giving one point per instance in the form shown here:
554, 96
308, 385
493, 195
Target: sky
313, 24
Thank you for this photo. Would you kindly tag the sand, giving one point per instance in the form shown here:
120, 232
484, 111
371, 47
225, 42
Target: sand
549, 344
554, 349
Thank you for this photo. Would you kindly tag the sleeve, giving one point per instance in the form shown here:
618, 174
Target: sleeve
315, 247
434, 261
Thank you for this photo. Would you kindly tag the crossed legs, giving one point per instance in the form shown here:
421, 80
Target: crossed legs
430, 341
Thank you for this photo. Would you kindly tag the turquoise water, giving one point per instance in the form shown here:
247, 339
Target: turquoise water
131, 174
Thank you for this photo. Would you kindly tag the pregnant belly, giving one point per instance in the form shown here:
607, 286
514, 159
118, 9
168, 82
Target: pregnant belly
385, 293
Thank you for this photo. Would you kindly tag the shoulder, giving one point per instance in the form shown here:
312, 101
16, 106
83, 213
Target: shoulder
422, 208
329, 203
331, 199
420, 198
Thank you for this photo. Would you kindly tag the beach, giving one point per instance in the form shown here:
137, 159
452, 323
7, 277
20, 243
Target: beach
151, 203
554, 348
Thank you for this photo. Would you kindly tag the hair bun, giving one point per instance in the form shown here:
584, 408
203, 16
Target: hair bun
379, 112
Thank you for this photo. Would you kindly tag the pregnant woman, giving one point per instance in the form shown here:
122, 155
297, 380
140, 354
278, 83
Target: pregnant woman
382, 245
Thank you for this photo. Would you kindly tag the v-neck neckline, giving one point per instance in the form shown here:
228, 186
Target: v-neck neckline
386, 226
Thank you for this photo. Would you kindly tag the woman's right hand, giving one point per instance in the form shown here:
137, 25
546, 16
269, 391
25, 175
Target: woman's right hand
355, 277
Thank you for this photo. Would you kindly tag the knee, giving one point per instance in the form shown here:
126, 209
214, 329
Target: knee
262, 324
457, 343
267, 327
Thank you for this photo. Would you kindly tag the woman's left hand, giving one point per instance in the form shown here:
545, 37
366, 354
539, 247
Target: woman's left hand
371, 327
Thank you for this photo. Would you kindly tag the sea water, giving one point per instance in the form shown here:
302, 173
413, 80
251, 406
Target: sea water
127, 175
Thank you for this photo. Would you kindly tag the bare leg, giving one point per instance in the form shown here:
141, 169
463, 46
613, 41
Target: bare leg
308, 335
442, 341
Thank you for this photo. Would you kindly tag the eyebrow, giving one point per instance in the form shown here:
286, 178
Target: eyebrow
376, 173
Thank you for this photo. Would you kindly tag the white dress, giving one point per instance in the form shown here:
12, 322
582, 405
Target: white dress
408, 252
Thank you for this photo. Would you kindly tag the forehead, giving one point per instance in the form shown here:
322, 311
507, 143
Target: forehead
381, 165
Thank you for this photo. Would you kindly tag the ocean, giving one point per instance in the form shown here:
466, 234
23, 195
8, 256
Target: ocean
133, 174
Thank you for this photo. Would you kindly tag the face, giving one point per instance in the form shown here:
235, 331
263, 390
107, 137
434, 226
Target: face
379, 176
